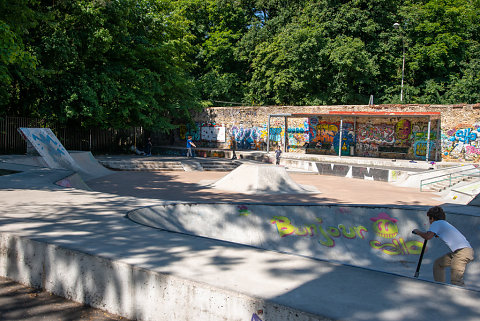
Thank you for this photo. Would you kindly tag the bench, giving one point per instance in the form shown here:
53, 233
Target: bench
393, 151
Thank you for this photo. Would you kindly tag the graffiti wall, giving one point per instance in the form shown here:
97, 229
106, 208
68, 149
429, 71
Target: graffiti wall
462, 142
453, 132
325, 134
298, 133
397, 136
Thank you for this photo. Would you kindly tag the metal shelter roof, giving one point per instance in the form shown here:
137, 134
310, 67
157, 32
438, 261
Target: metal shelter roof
432, 115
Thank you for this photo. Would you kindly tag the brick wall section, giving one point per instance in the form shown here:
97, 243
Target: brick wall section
458, 137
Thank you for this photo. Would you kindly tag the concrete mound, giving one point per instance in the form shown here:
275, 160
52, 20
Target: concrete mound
261, 179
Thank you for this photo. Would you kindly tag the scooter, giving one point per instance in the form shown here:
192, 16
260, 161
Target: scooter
417, 272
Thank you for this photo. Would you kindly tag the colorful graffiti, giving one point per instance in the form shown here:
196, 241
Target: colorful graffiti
255, 317
398, 247
403, 130
378, 133
243, 210
462, 143
420, 148
249, 138
285, 228
328, 133
298, 136
383, 226
322, 132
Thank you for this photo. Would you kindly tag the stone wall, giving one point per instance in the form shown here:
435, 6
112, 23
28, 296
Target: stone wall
454, 137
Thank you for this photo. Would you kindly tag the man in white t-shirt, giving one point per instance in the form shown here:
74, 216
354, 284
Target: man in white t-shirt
462, 251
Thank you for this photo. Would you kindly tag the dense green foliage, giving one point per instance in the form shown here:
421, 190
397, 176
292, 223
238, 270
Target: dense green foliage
121, 63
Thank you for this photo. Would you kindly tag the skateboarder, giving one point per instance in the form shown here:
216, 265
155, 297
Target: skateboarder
461, 250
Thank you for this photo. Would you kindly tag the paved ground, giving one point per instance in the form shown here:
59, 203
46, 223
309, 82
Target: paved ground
188, 186
20, 303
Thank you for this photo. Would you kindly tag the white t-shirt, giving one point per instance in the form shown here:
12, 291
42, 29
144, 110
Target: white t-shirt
449, 234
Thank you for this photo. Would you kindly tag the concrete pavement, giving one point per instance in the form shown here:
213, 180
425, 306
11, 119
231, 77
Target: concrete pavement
80, 245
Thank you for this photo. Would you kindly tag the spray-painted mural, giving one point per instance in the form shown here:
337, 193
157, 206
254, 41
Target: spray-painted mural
462, 143
377, 237
403, 136
378, 134
249, 137
298, 134
383, 226
396, 136
326, 135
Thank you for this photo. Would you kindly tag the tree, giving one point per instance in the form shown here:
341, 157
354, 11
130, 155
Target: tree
15, 58
441, 34
111, 64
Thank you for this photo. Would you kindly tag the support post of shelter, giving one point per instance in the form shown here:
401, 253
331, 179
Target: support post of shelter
340, 138
428, 140
268, 134
437, 140
285, 136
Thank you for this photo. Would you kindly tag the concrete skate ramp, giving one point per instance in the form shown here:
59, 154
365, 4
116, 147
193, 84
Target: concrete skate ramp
377, 238
261, 179
57, 157
49, 147
89, 166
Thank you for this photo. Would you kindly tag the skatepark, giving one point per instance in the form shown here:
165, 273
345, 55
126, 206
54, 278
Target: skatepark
265, 243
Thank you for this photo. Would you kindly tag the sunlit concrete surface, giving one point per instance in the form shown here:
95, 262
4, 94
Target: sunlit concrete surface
81, 245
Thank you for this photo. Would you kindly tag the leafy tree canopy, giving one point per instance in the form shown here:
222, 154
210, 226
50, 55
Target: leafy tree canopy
152, 62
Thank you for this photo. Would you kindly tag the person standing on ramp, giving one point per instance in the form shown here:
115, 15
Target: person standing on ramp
461, 250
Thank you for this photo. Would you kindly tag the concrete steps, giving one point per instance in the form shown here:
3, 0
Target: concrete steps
220, 166
144, 165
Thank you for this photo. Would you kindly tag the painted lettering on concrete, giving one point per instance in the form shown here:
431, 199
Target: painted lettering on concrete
383, 226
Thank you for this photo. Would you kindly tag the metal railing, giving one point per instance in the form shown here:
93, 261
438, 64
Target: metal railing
451, 178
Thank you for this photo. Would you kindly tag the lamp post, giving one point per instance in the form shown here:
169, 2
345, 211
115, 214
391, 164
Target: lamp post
396, 25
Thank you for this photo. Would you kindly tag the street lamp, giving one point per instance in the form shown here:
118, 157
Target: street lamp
396, 25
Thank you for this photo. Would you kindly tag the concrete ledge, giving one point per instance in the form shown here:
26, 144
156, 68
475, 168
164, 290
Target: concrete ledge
126, 290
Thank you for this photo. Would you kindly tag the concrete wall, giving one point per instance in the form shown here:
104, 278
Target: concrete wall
126, 290
458, 137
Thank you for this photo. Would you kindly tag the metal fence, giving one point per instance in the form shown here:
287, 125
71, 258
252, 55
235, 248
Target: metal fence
96, 140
